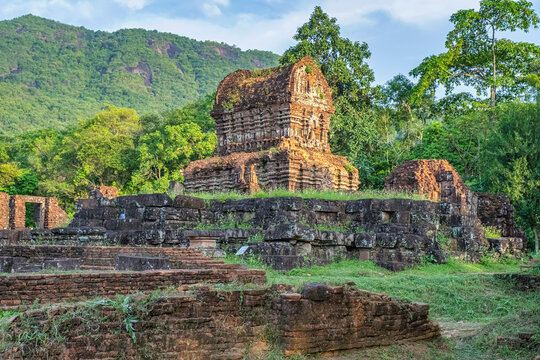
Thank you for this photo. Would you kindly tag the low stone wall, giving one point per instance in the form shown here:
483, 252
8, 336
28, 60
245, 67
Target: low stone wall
395, 233
497, 211
208, 324
18, 290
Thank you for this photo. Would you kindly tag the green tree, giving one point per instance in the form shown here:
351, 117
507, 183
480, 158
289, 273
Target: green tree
8, 174
341, 61
197, 112
102, 149
511, 161
164, 153
477, 57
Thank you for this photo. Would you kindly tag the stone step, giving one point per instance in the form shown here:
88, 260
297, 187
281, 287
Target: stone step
99, 261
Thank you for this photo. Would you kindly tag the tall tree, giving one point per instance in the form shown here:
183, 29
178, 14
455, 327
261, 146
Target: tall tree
163, 154
476, 56
103, 149
511, 161
341, 61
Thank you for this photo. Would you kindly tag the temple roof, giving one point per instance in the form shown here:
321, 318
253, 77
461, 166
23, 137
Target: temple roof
247, 89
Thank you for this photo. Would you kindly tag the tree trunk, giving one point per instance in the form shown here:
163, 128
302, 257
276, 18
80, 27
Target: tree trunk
535, 240
493, 85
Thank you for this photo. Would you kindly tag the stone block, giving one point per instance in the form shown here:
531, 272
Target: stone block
283, 262
189, 202
83, 204
140, 263
144, 200
62, 264
315, 291
6, 264
386, 240
364, 240
290, 232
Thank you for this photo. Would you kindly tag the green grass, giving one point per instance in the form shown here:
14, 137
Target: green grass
455, 290
492, 232
460, 295
311, 194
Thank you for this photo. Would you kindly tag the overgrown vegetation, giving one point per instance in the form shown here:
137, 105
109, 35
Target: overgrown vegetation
311, 194
118, 315
464, 298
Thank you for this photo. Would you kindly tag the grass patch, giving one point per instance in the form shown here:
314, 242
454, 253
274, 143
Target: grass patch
459, 293
311, 194
492, 232
456, 290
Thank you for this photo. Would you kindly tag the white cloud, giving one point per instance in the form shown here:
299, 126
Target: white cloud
251, 31
418, 12
70, 11
212, 8
133, 4
248, 31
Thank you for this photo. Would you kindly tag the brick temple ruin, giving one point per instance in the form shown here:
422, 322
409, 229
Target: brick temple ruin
47, 213
272, 129
462, 212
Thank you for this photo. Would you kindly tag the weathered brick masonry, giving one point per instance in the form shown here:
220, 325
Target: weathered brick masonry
272, 129
18, 290
31, 258
232, 324
47, 212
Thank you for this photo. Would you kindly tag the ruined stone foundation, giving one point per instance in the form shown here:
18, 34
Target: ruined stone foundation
272, 129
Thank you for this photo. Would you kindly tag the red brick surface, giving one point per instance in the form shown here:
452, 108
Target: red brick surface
234, 324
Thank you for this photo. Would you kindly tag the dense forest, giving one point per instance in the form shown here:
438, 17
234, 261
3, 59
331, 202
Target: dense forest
51, 74
489, 136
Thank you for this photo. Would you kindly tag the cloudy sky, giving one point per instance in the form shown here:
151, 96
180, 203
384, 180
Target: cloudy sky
400, 33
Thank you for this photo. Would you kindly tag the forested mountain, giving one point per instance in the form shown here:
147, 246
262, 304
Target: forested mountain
52, 73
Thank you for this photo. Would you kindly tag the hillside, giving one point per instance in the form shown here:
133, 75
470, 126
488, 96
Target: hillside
52, 73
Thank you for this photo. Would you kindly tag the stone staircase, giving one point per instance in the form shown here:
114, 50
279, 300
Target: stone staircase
32, 258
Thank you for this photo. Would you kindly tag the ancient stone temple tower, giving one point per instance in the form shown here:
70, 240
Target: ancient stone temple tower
272, 129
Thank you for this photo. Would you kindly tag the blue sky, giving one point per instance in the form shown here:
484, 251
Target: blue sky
400, 33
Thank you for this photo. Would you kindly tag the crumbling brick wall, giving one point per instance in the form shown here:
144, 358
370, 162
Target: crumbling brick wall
37, 257
19, 289
4, 211
208, 324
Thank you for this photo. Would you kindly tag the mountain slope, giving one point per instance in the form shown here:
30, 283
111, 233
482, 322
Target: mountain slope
52, 73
